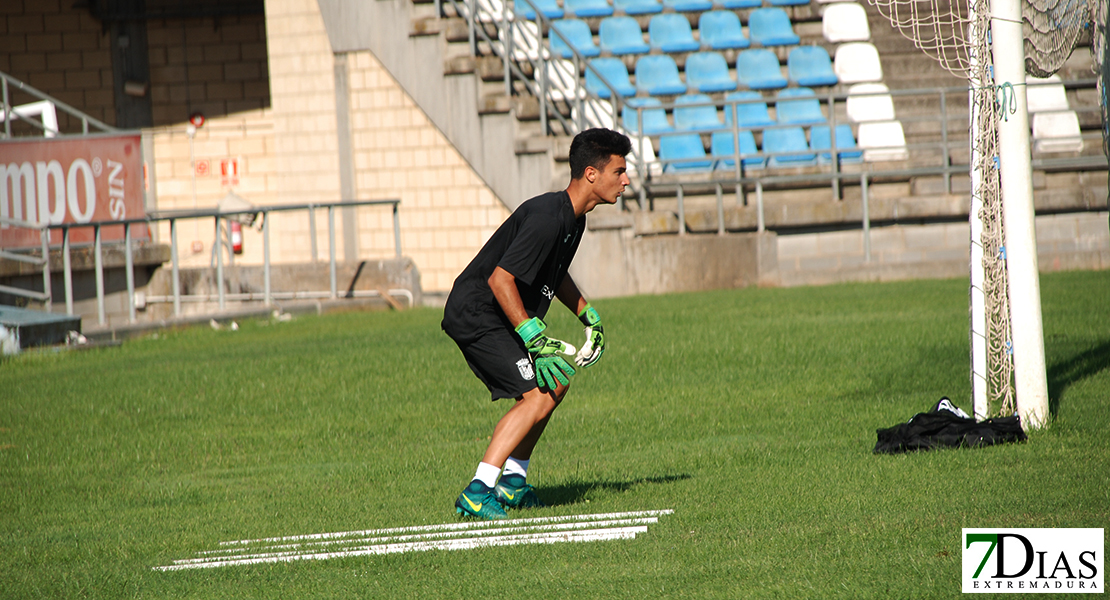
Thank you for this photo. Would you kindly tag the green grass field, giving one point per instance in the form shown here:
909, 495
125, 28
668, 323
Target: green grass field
751, 413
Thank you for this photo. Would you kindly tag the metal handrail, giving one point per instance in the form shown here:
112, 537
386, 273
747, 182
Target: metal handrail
6, 81
172, 217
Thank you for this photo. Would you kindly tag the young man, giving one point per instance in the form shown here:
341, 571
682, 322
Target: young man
495, 314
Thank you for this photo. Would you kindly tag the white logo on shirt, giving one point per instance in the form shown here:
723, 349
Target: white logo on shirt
548, 292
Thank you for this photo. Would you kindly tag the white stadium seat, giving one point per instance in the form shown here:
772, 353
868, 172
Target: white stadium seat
857, 62
845, 22
870, 102
882, 140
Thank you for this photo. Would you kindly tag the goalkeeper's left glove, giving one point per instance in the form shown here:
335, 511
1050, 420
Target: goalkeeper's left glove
595, 337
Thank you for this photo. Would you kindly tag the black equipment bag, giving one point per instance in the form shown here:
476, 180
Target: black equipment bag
946, 426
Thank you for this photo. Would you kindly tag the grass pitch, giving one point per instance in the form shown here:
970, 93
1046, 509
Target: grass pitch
751, 413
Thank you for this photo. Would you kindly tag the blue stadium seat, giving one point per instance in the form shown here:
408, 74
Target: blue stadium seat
638, 7
588, 8
670, 32
789, 2
738, 4
686, 148
810, 66
621, 35
688, 5
820, 138
748, 114
720, 30
771, 27
708, 72
798, 106
787, 140
549, 8
722, 145
696, 118
759, 69
578, 33
614, 71
651, 112
657, 74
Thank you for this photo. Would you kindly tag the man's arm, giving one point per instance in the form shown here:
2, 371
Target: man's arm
503, 285
570, 296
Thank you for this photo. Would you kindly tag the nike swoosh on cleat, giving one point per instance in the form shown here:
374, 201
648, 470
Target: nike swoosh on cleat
474, 507
507, 494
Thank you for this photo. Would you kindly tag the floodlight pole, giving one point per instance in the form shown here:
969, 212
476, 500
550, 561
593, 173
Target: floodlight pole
1030, 380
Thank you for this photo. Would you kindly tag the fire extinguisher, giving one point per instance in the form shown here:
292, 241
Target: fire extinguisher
236, 237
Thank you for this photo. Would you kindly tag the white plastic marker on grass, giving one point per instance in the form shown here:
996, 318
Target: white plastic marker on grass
448, 536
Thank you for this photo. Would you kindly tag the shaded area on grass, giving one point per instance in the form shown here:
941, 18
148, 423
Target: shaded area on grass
575, 493
1064, 374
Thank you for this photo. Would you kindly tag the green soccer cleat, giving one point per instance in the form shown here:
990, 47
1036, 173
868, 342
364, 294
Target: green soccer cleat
513, 492
479, 501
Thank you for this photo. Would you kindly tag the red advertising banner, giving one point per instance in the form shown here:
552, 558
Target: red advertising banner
83, 180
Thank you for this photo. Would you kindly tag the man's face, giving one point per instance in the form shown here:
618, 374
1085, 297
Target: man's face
612, 179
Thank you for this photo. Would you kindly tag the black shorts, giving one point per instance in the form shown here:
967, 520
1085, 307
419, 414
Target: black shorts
501, 361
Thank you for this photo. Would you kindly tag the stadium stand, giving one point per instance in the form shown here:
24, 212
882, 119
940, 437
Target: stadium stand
621, 35
882, 140
650, 112
549, 8
738, 4
869, 102
1055, 125
721, 30
614, 72
657, 75
688, 5
759, 69
526, 40
751, 110
707, 72
722, 145
798, 106
638, 7
562, 80
588, 8
845, 22
820, 138
683, 152
857, 62
788, 147
789, 2
696, 112
810, 66
670, 32
595, 113
577, 32
771, 27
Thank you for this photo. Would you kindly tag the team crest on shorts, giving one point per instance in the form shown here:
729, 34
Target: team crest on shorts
525, 367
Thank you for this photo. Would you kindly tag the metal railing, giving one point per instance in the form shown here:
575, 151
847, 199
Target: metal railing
221, 245
8, 84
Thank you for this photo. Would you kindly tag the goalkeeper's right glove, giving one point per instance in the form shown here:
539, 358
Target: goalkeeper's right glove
595, 337
550, 367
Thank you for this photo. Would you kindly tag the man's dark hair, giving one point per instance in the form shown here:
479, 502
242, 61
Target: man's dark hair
594, 148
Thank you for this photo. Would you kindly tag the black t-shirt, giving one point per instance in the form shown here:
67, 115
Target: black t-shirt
535, 245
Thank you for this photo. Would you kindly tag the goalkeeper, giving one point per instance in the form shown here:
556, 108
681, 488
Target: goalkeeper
495, 314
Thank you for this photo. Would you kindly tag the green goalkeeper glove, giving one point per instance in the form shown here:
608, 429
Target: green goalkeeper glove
595, 337
550, 367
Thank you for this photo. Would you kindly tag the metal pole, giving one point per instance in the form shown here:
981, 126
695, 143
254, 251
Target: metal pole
834, 156
47, 287
312, 231
720, 210
396, 231
761, 225
944, 140
331, 250
67, 268
866, 218
130, 262
267, 296
176, 269
681, 213
7, 110
220, 264
99, 263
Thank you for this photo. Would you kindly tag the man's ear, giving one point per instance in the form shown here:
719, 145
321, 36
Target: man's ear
591, 174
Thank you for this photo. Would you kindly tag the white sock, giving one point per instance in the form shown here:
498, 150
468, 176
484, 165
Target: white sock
516, 466
487, 474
